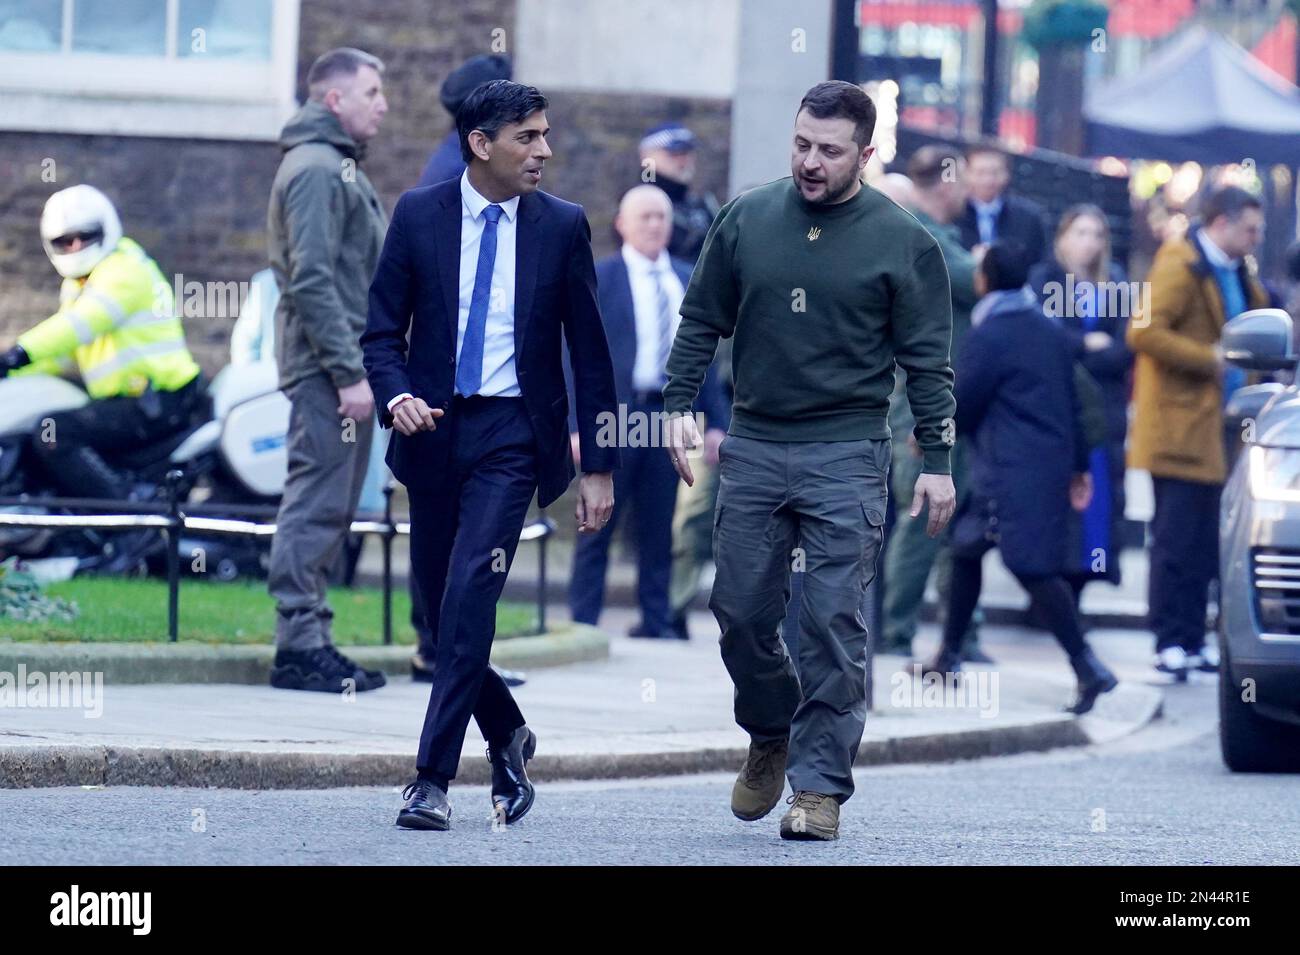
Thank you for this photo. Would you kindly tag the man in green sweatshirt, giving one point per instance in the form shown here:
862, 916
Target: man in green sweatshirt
824, 284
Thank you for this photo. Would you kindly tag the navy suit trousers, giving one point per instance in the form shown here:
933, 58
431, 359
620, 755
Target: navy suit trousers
647, 485
463, 540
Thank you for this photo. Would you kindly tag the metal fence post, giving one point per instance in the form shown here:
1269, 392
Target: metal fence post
172, 536
541, 581
386, 542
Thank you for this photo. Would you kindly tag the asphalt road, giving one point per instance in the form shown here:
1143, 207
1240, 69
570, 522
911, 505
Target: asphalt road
1161, 796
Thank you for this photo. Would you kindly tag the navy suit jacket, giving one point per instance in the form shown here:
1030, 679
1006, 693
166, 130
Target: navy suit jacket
617, 311
1019, 221
445, 162
416, 289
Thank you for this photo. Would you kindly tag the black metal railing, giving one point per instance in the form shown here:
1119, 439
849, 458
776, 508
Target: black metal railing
172, 516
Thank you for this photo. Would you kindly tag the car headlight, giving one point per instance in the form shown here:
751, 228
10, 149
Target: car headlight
1274, 474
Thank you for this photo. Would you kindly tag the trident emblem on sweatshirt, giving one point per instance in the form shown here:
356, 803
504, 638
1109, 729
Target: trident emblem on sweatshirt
814, 233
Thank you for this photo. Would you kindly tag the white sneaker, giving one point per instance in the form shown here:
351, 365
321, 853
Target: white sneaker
1207, 660
1172, 661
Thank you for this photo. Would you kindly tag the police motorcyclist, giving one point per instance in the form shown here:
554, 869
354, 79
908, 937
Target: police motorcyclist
117, 320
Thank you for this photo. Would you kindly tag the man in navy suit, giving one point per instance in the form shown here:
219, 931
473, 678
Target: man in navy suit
993, 212
486, 273
640, 288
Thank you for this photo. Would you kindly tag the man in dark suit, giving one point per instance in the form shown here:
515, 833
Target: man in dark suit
640, 289
446, 163
486, 273
994, 213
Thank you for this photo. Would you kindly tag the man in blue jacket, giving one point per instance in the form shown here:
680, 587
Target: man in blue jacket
446, 162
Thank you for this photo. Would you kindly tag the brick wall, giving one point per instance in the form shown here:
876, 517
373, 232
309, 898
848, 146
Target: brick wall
199, 206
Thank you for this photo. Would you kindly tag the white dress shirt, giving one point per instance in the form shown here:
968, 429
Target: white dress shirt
986, 218
499, 379
646, 373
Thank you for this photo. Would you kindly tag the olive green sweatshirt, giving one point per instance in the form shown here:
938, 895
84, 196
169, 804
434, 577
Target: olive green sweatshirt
822, 300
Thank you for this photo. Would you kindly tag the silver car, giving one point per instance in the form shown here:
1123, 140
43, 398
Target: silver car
1259, 556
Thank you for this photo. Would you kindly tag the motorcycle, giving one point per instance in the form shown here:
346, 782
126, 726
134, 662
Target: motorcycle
233, 455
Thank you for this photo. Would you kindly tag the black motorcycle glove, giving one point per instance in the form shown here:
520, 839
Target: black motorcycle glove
14, 358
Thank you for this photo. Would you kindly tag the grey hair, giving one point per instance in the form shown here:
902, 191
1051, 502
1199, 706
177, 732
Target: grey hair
645, 190
344, 61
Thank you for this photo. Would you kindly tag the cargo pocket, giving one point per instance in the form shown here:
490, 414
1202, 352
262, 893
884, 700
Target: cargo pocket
717, 520
872, 540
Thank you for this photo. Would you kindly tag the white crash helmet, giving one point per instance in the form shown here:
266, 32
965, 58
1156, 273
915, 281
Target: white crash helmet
80, 209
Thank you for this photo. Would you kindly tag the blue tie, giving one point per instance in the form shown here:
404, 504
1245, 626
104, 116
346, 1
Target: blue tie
469, 370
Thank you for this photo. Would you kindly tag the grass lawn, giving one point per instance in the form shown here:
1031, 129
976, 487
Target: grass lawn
114, 609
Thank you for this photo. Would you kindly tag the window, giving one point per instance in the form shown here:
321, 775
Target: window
221, 69
31, 25
121, 27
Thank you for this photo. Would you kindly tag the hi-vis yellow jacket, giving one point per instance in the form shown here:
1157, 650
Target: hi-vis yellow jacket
121, 326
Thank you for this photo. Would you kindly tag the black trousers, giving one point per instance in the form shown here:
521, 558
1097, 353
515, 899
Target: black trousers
1052, 595
1184, 559
73, 446
646, 483
463, 540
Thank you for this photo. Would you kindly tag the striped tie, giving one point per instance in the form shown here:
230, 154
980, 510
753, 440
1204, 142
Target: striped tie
665, 323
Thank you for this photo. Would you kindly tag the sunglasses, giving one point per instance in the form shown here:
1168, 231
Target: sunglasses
87, 238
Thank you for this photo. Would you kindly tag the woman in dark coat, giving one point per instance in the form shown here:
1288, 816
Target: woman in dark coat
1078, 287
1017, 404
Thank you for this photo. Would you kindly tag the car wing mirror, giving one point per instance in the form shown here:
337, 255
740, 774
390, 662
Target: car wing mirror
1260, 340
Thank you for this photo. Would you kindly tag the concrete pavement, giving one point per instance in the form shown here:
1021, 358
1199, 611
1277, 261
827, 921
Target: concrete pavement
652, 708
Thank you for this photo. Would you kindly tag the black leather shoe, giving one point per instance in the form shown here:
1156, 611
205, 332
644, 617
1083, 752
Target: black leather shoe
1094, 680
421, 669
678, 629
944, 662
512, 793
426, 807
511, 677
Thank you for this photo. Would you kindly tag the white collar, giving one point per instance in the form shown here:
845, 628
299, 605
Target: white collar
476, 203
1214, 254
642, 263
